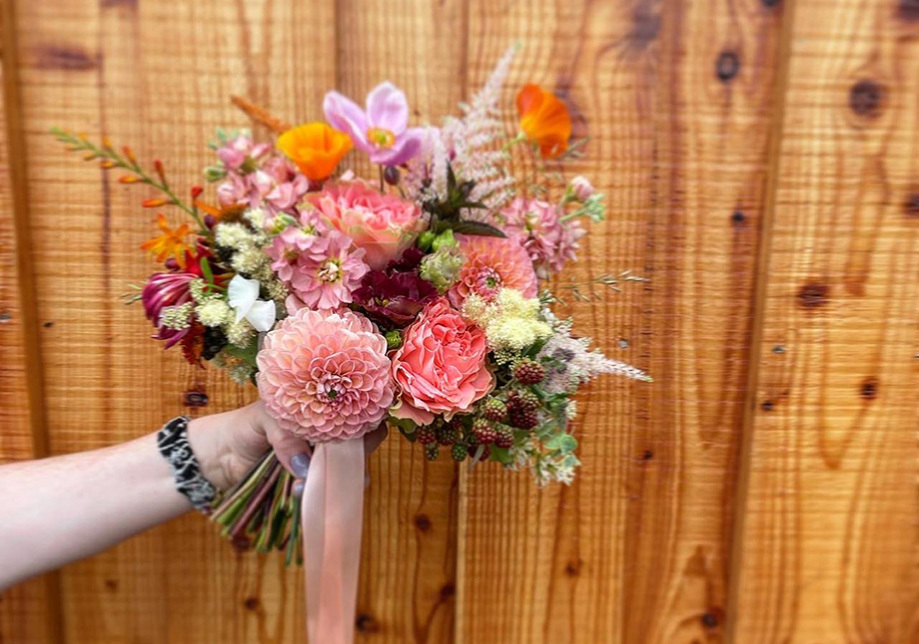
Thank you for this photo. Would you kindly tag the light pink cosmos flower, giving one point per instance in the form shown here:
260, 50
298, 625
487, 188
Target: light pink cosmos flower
383, 225
539, 228
328, 280
382, 129
324, 375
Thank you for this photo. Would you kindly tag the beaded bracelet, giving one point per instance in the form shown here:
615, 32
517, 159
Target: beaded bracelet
172, 441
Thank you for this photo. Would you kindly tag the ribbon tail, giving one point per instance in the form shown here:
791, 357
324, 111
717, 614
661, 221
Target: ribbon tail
332, 514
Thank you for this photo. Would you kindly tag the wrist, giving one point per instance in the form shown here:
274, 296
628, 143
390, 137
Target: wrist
208, 440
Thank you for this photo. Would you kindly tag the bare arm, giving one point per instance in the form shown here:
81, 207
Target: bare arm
57, 510
62, 509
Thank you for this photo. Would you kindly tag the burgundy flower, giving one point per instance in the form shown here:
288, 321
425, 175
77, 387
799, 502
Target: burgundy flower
397, 297
162, 291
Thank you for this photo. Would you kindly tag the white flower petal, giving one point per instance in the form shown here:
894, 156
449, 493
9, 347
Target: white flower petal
262, 315
242, 293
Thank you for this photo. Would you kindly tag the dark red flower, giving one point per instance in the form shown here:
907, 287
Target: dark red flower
397, 298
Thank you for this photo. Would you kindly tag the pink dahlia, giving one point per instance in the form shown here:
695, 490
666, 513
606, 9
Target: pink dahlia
492, 263
327, 280
440, 367
383, 225
324, 375
539, 228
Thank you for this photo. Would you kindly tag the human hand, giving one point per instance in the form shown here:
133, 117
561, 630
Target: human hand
228, 445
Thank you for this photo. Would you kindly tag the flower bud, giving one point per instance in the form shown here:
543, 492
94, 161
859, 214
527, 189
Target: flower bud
444, 240
581, 188
393, 339
425, 240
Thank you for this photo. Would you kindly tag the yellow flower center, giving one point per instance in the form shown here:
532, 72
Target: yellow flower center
381, 137
330, 271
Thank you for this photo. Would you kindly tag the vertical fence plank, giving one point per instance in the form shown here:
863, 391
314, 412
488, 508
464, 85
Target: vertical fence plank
828, 539
156, 76
408, 571
678, 101
28, 613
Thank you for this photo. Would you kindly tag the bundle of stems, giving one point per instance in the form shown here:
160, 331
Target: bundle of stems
262, 512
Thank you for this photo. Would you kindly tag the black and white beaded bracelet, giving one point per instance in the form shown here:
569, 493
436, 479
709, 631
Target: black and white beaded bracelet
172, 441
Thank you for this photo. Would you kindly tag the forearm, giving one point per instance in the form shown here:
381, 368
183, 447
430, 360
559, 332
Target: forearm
66, 508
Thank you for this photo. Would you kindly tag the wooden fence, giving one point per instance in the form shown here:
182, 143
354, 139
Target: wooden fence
761, 159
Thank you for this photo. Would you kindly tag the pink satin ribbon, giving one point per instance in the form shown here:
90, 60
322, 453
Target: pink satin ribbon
331, 516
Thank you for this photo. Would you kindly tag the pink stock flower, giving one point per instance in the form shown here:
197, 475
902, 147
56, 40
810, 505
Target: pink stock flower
440, 367
308, 240
492, 263
383, 225
164, 290
324, 375
327, 280
538, 227
242, 154
382, 130
273, 182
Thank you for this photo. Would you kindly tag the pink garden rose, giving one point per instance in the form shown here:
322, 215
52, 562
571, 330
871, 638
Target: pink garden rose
383, 225
440, 367
492, 263
324, 375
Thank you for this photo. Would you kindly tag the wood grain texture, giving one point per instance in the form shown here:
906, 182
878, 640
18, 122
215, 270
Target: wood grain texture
828, 551
760, 159
408, 581
156, 76
677, 99
29, 612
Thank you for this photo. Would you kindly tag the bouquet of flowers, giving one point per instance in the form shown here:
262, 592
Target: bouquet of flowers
416, 298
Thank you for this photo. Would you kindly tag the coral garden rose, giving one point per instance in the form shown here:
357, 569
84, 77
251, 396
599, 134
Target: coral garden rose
440, 367
492, 263
324, 375
383, 225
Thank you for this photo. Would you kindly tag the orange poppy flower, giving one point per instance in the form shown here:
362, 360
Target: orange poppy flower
316, 148
170, 244
544, 120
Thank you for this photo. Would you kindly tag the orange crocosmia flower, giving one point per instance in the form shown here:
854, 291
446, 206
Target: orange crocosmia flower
316, 148
170, 244
544, 120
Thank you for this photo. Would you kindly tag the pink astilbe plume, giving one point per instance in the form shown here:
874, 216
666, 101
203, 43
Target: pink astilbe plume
472, 145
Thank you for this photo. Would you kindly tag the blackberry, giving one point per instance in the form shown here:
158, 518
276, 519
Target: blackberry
448, 434
529, 372
495, 410
214, 341
426, 435
504, 437
431, 451
484, 432
523, 418
459, 452
522, 400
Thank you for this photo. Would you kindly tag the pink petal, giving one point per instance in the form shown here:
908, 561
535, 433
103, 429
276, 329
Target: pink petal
345, 115
387, 108
407, 145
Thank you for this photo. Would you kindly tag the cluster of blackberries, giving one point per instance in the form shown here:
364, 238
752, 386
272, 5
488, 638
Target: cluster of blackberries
214, 341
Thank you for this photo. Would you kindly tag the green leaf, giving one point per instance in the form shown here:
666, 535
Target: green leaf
501, 455
206, 269
248, 353
562, 443
476, 228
